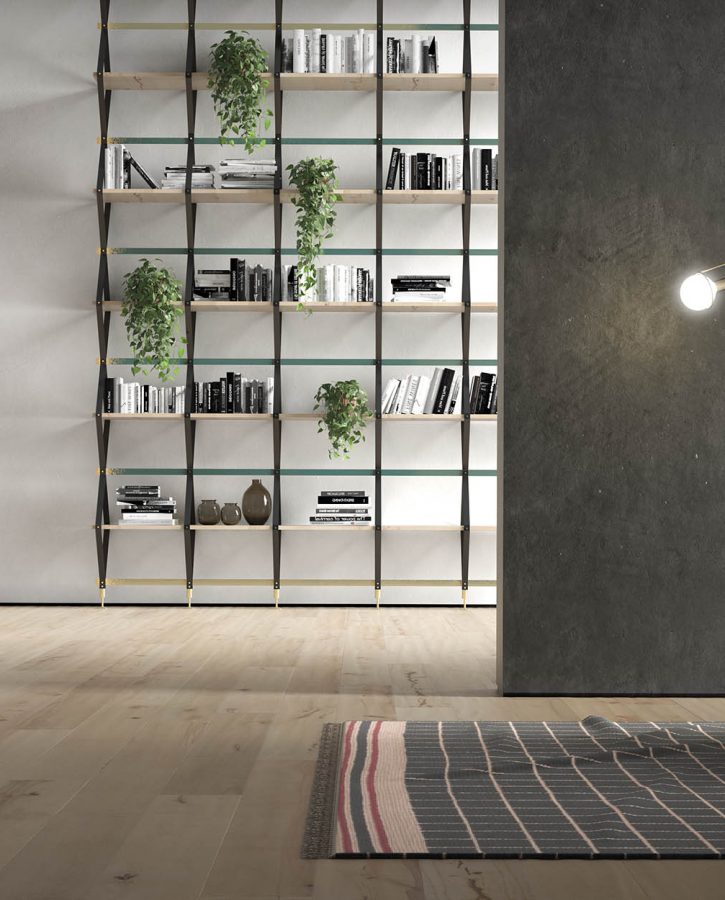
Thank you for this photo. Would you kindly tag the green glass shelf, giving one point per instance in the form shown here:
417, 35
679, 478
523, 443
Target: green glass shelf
290, 251
299, 361
414, 473
311, 141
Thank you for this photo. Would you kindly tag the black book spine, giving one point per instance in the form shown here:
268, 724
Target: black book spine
323, 53
223, 395
421, 170
483, 398
475, 391
439, 173
237, 405
215, 397
207, 397
108, 393
401, 170
230, 392
492, 398
444, 389
233, 279
195, 398
487, 170
145, 398
390, 50
392, 169
342, 501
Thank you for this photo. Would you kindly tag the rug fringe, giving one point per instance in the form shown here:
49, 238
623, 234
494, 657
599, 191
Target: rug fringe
319, 828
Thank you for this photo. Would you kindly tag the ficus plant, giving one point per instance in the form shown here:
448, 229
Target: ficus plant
151, 309
316, 181
236, 64
344, 415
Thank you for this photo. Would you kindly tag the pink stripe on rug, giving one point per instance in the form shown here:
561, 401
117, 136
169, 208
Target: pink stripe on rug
344, 826
375, 822
401, 824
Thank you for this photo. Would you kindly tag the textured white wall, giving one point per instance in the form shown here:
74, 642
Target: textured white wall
48, 158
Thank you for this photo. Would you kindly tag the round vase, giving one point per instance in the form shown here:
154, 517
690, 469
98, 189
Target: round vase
208, 512
256, 503
231, 514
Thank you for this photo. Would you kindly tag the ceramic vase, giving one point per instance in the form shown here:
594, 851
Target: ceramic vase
208, 513
256, 503
231, 514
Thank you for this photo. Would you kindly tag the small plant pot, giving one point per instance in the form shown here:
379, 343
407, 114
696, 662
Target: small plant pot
256, 503
231, 514
208, 513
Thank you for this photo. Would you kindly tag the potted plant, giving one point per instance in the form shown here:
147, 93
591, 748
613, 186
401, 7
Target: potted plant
316, 181
345, 414
151, 309
238, 91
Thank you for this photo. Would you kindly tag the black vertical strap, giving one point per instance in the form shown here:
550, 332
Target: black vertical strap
103, 319
466, 298
277, 310
378, 302
189, 314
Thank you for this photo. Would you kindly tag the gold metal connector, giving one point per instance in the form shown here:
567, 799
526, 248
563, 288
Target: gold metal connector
189, 592
377, 598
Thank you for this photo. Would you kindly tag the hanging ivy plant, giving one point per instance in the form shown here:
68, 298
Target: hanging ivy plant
316, 182
238, 91
151, 309
345, 414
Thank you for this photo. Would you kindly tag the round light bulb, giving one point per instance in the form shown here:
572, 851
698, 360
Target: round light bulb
698, 292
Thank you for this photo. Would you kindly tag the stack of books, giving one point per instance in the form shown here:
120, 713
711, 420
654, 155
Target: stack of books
175, 177
414, 55
117, 171
342, 508
335, 284
484, 169
424, 172
315, 51
238, 282
130, 397
142, 504
484, 394
244, 174
233, 394
415, 394
417, 288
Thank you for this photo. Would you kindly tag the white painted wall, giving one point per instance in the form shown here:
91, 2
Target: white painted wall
48, 158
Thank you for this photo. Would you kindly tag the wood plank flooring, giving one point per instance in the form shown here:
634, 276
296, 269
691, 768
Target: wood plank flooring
167, 754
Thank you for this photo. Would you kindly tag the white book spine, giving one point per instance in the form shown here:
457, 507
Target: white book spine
108, 180
357, 51
339, 47
369, 52
421, 395
118, 165
476, 169
298, 50
410, 394
315, 50
387, 394
117, 394
457, 172
433, 391
401, 395
308, 51
346, 54
416, 54
270, 394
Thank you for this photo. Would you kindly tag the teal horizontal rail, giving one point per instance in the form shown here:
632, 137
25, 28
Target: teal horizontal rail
422, 473
289, 251
311, 141
299, 361
268, 26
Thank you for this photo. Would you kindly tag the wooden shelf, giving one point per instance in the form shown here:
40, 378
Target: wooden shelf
143, 527
294, 81
221, 416
231, 527
240, 306
266, 196
436, 417
150, 416
326, 527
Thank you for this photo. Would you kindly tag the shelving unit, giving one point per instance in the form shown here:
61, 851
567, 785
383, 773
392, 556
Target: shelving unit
190, 82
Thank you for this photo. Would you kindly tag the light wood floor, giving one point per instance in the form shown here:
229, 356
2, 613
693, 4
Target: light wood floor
167, 754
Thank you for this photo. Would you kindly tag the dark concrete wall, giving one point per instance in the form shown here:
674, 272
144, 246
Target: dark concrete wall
613, 574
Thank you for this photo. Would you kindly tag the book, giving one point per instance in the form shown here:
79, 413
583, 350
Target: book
483, 401
392, 168
433, 390
421, 395
342, 494
444, 389
454, 395
151, 182
298, 50
337, 500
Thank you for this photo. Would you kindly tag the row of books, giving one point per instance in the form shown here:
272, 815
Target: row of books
413, 288
424, 172
484, 169
342, 508
335, 284
238, 282
233, 394
132, 398
415, 394
118, 162
142, 504
318, 51
412, 55
484, 393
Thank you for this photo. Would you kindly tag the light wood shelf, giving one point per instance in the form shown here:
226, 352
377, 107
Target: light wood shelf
243, 306
308, 81
326, 527
146, 416
223, 527
266, 196
143, 527
222, 416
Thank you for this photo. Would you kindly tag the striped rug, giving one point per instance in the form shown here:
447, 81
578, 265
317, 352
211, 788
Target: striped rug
589, 789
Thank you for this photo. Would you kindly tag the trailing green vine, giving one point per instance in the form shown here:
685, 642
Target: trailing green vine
344, 417
151, 309
316, 181
238, 91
